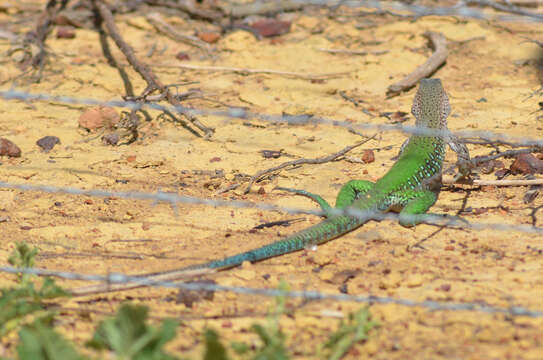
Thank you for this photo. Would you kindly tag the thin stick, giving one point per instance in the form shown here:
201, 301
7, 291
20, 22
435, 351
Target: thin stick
509, 153
189, 7
506, 8
171, 276
438, 58
246, 71
162, 26
146, 73
353, 52
237, 10
42, 30
514, 182
320, 160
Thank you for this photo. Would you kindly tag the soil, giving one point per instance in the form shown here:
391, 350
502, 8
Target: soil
490, 74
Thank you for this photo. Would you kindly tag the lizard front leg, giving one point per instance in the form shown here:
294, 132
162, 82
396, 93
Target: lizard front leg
317, 198
463, 162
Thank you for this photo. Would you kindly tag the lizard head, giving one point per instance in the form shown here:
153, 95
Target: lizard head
431, 104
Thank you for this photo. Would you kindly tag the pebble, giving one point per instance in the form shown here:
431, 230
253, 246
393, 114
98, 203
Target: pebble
46, 143
7, 148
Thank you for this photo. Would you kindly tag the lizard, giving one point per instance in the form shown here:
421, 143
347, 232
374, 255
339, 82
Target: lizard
410, 187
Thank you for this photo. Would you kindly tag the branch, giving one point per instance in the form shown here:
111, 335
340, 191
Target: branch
438, 58
320, 160
246, 71
145, 72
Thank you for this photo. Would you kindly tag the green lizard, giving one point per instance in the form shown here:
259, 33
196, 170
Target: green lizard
411, 186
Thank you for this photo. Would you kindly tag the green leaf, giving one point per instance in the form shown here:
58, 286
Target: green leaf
240, 347
38, 341
349, 333
50, 290
214, 349
129, 337
17, 303
23, 257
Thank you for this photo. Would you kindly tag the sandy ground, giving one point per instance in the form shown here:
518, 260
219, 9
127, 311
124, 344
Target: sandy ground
96, 235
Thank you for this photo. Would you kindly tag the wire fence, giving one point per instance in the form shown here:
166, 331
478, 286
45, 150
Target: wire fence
467, 8
461, 9
240, 113
175, 199
306, 295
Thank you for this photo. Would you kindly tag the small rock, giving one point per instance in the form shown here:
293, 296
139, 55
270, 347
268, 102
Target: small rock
527, 164
415, 280
488, 166
246, 265
46, 143
342, 277
65, 32
226, 324
326, 275
189, 297
246, 274
98, 117
322, 258
209, 37
368, 156
111, 139
271, 27
7, 148
391, 281
182, 56
399, 117
271, 154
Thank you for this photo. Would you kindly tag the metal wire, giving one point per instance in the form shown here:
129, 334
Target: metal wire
350, 211
461, 9
240, 113
307, 295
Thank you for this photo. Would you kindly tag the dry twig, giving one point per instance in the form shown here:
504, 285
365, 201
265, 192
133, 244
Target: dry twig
246, 71
171, 276
145, 72
512, 182
42, 30
439, 56
240, 10
353, 52
156, 20
189, 7
320, 160
509, 8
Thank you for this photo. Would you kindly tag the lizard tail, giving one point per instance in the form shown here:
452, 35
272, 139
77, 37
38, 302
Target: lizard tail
317, 234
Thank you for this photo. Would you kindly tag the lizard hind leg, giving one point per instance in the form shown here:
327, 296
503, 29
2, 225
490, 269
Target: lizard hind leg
415, 211
416, 206
352, 191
